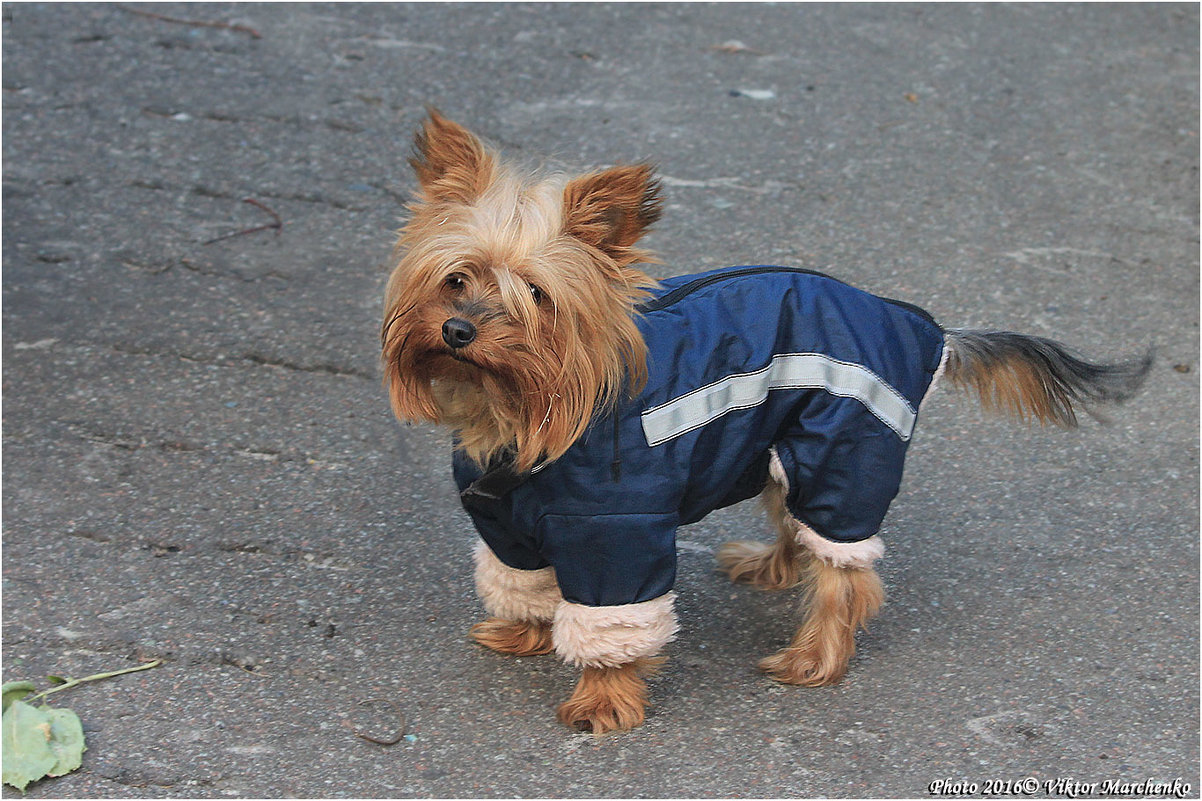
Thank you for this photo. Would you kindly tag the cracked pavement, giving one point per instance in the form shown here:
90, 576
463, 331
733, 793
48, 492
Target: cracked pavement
200, 465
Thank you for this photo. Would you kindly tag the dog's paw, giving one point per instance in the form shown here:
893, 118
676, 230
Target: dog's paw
514, 637
759, 564
601, 715
611, 698
805, 667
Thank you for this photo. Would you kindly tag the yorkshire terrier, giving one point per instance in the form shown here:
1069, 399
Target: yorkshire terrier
595, 410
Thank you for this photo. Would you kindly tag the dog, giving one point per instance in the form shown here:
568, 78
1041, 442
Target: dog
595, 410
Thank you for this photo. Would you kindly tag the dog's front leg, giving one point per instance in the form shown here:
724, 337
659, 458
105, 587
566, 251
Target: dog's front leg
617, 647
521, 605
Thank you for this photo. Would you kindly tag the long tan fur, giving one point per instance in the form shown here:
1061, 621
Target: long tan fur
841, 600
514, 637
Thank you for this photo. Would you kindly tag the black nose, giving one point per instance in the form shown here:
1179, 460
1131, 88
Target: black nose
458, 333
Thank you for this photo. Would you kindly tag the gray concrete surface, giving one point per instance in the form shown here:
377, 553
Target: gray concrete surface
200, 466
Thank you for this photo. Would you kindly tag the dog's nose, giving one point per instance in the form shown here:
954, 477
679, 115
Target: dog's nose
458, 332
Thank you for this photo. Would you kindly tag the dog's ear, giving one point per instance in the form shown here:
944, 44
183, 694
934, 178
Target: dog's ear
611, 209
451, 163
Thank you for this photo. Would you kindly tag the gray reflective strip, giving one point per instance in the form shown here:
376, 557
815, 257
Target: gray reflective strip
786, 371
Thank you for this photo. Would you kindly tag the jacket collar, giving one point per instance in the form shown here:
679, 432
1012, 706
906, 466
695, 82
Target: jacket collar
499, 479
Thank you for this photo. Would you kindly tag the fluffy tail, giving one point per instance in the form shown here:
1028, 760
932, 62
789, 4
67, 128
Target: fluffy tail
1032, 377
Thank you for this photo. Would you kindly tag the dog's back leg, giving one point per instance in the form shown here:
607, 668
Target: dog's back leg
840, 600
767, 567
842, 590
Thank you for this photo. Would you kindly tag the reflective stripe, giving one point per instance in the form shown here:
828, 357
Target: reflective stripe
786, 371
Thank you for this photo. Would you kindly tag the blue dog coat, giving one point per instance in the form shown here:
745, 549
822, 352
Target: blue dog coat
740, 361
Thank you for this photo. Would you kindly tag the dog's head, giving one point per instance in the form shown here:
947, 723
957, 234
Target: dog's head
508, 316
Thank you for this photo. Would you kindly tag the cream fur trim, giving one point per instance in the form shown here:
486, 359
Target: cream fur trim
777, 470
947, 349
513, 594
609, 636
839, 554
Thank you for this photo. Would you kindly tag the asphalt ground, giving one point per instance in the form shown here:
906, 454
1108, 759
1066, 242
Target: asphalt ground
199, 463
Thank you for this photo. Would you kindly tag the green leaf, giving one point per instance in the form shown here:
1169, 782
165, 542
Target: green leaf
14, 690
66, 740
39, 742
45, 741
26, 743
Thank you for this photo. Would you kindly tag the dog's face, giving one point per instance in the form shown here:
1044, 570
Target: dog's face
508, 314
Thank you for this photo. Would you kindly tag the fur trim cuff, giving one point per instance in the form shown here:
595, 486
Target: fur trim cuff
938, 374
839, 554
513, 594
609, 636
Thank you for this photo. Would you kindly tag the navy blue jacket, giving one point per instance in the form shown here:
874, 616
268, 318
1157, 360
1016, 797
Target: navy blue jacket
739, 361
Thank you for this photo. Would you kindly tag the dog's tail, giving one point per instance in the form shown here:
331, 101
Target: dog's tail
1032, 377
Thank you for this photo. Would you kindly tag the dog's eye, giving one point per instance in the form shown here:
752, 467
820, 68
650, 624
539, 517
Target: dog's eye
536, 293
454, 281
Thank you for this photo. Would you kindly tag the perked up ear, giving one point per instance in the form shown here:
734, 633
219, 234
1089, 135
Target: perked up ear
611, 209
451, 164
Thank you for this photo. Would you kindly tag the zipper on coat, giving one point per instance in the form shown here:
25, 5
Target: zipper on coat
615, 467
663, 301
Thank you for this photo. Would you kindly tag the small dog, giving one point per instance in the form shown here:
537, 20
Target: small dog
595, 410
